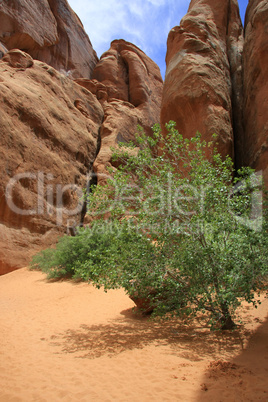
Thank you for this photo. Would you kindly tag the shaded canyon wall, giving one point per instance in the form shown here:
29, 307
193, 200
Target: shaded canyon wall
255, 77
61, 111
217, 78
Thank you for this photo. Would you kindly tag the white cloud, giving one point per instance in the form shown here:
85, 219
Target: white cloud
157, 2
145, 23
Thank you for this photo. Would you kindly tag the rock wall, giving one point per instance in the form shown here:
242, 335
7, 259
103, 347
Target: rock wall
255, 68
204, 78
49, 139
129, 86
49, 31
217, 78
54, 132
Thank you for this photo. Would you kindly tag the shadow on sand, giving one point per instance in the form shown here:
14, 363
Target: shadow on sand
190, 340
240, 378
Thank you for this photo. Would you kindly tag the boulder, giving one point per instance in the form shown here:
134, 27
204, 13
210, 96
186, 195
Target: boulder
203, 77
49, 140
255, 63
18, 59
49, 31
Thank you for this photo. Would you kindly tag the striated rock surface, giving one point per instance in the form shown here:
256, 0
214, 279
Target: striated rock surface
49, 31
49, 139
203, 79
52, 129
129, 86
18, 59
255, 62
27, 24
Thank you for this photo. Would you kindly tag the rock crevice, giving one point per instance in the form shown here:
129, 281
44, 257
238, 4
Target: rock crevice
216, 79
255, 84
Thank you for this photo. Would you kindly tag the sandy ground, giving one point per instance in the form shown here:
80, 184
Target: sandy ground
66, 341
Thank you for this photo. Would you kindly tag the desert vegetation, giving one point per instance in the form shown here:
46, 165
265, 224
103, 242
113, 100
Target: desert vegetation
176, 226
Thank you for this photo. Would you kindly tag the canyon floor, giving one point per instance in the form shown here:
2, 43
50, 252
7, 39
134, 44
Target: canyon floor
67, 341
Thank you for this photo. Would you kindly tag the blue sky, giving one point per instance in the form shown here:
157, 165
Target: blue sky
146, 23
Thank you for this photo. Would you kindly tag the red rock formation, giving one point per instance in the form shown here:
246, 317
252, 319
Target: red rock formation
49, 138
18, 59
129, 86
27, 24
255, 146
51, 126
49, 31
203, 77
50, 130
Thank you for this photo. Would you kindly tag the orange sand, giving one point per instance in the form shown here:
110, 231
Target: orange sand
63, 341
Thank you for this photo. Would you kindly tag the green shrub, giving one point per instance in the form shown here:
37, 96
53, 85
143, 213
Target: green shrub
176, 226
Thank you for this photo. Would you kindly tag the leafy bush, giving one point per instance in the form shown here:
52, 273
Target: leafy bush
176, 226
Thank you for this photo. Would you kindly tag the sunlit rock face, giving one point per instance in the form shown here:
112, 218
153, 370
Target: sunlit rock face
49, 31
48, 144
255, 67
54, 132
62, 109
129, 86
203, 83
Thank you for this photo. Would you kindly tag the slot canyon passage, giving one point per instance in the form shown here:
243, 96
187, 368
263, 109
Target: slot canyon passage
62, 109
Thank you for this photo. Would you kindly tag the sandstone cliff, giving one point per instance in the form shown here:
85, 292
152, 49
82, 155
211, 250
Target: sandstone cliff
216, 78
53, 130
48, 143
203, 79
49, 31
131, 95
255, 66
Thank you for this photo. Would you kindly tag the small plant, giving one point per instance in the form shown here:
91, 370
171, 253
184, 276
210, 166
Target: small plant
177, 227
